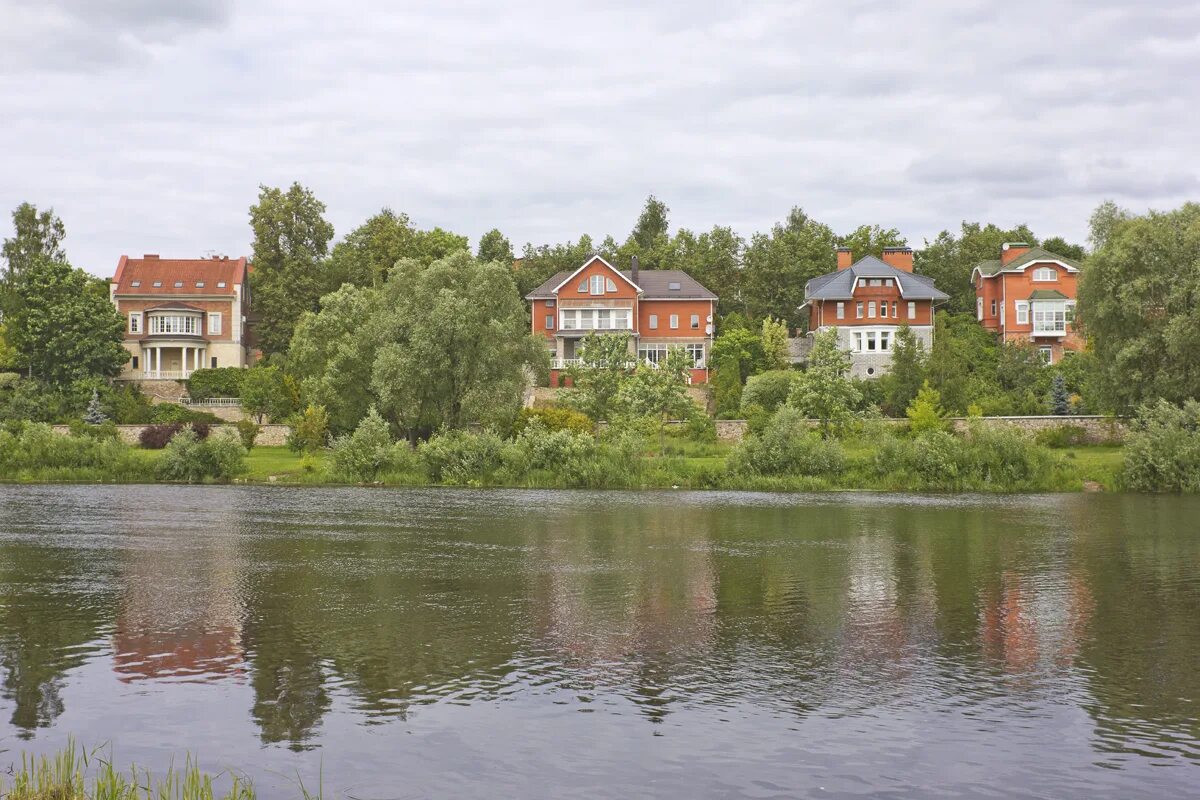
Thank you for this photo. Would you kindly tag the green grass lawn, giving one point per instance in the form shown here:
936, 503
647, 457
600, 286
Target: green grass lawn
263, 462
1101, 464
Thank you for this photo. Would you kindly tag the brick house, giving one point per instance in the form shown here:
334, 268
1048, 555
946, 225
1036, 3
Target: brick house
660, 309
867, 301
181, 314
1028, 295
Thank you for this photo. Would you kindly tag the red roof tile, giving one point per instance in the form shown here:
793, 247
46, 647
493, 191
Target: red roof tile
167, 272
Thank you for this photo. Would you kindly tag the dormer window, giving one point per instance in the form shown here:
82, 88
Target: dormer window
135, 284
597, 284
157, 284
673, 286
1045, 274
220, 284
178, 284
199, 284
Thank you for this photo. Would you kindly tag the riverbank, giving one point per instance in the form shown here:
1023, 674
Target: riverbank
686, 465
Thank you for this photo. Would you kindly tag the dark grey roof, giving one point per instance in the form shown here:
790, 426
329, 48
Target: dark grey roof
654, 283
840, 285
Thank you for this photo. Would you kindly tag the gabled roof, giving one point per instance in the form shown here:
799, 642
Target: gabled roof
148, 270
174, 307
654, 284
587, 264
1047, 294
1034, 255
840, 285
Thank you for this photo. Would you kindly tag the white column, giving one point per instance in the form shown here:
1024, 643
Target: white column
157, 361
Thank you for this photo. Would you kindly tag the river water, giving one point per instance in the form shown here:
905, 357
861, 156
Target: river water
440, 643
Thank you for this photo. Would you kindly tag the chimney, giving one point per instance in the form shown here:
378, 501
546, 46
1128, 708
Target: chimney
845, 258
899, 257
1011, 251
633, 269
150, 257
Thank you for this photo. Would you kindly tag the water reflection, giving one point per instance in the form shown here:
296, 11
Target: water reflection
337, 607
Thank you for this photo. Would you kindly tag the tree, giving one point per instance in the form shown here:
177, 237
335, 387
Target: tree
713, 258
1060, 401
368, 252
962, 362
949, 259
907, 373
925, 412
659, 392
95, 414
604, 361
824, 391
1060, 246
869, 240
741, 347
38, 235
263, 393
778, 265
1139, 303
436, 244
776, 354
652, 224
1107, 217
61, 330
493, 246
291, 242
726, 387
453, 345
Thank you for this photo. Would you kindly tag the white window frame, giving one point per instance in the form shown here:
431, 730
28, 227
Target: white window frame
873, 340
214, 323
674, 322
1045, 275
696, 351
979, 308
596, 285
695, 322
595, 319
883, 309
1047, 353
174, 323
549, 322
1070, 312
1022, 307
871, 309
1047, 314
995, 303
135, 322
610, 285
859, 309
912, 309
841, 310
653, 322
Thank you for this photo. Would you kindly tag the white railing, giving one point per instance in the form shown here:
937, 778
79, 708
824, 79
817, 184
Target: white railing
564, 363
213, 402
166, 374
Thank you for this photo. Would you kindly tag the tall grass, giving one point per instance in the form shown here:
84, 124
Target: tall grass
78, 774
37, 453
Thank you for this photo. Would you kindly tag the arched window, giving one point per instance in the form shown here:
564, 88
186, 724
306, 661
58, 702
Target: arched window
1045, 274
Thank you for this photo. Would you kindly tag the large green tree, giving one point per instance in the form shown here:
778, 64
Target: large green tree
604, 362
907, 373
869, 240
825, 391
368, 252
713, 258
61, 328
1139, 302
493, 246
659, 393
777, 265
949, 259
36, 234
291, 243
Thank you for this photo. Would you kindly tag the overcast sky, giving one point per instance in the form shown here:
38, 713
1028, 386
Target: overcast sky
149, 124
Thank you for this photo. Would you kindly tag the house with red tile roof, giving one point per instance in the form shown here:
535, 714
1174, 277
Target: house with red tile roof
658, 309
1028, 295
181, 314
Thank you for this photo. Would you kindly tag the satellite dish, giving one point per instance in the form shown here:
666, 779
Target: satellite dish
709, 318
708, 329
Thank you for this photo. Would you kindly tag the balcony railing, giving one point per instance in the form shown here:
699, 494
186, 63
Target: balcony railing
213, 402
564, 363
166, 374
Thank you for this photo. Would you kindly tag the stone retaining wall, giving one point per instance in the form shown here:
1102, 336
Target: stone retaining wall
1096, 430
268, 436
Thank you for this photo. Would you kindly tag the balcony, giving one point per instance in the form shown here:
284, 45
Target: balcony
166, 374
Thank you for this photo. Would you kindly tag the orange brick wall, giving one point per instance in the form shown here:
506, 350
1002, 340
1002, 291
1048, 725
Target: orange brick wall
223, 307
664, 309
826, 311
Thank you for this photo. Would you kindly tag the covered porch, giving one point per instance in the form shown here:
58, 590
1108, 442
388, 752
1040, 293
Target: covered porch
171, 360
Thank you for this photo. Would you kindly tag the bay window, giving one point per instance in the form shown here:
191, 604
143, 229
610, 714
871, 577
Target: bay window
1050, 317
174, 323
872, 341
599, 319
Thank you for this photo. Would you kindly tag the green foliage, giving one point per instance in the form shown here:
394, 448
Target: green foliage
907, 374
310, 430
987, 458
493, 246
173, 412
536, 448
1060, 401
870, 240
726, 387
1062, 436
824, 391
95, 414
221, 382
743, 347
291, 242
61, 330
776, 354
554, 418
713, 258
658, 393
156, 437
362, 455
769, 390
264, 392
1061, 247
949, 259
368, 253
604, 363
963, 361
461, 457
36, 452
777, 265
190, 459
1138, 306
248, 433
787, 445
925, 412
37, 235
1162, 451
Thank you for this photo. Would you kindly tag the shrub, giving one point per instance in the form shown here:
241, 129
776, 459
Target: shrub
156, 437
36, 452
1062, 436
1003, 456
173, 412
555, 418
361, 455
310, 430
1162, 450
768, 390
988, 457
538, 448
787, 446
221, 382
248, 431
925, 411
461, 457
192, 459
